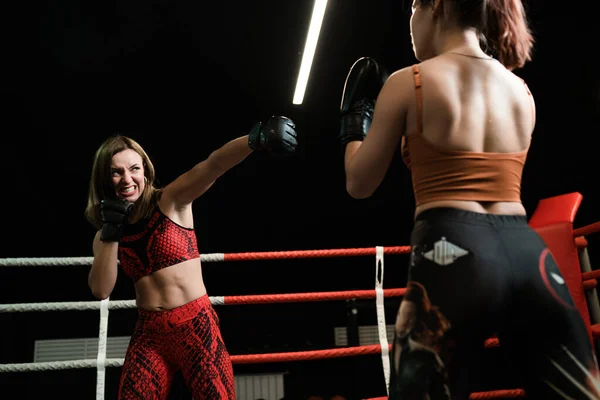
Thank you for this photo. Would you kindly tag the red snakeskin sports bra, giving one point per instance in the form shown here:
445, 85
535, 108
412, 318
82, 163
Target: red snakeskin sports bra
155, 243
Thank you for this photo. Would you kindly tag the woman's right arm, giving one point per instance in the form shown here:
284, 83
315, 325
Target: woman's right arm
103, 275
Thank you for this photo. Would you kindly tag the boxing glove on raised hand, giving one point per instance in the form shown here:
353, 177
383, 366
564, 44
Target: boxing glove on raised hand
362, 86
114, 215
277, 136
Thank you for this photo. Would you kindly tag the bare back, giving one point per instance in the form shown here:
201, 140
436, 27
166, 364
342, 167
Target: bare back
475, 105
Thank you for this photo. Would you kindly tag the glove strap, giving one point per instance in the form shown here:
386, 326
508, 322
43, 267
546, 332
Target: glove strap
254, 136
356, 122
110, 233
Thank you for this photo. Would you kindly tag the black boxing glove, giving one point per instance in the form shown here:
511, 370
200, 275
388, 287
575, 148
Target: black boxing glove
362, 86
277, 136
114, 216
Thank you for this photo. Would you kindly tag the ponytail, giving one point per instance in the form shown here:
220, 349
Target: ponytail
502, 26
506, 33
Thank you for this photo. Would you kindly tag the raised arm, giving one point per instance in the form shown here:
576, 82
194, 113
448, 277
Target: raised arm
369, 107
277, 136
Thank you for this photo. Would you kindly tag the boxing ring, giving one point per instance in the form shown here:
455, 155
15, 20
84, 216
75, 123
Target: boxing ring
553, 220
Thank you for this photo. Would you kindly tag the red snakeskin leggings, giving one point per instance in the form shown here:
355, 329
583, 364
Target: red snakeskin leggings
186, 338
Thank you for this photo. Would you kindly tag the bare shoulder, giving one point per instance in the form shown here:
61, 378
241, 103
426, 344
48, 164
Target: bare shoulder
520, 83
180, 213
402, 76
398, 85
435, 75
436, 66
525, 96
169, 197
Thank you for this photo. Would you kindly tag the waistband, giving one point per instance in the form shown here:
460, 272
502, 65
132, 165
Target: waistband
165, 320
457, 214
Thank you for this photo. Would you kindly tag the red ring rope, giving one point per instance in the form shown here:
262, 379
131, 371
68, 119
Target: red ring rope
494, 394
278, 255
316, 296
586, 230
320, 354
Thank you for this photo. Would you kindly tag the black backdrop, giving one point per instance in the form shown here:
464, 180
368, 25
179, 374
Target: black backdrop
183, 78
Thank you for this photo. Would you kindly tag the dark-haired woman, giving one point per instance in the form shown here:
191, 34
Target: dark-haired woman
464, 122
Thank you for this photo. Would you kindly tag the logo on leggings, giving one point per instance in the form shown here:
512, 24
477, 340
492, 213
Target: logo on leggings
444, 252
557, 286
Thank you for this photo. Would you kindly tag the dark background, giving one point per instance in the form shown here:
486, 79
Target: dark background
183, 78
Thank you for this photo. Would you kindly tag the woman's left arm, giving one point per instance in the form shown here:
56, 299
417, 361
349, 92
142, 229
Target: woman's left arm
367, 162
277, 136
192, 184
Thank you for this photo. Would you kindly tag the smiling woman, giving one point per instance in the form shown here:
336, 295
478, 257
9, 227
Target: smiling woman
128, 174
150, 231
126, 162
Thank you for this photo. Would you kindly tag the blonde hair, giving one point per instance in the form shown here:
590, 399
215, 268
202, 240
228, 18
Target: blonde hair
101, 185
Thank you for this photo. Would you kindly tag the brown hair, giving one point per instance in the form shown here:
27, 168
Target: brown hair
502, 25
431, 324
101, 186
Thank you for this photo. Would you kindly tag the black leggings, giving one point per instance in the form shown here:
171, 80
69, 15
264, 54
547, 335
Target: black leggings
472, 276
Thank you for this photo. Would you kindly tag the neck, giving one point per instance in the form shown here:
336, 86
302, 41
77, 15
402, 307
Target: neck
451, 39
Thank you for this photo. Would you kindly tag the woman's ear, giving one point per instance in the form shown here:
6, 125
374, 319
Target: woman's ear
438, 8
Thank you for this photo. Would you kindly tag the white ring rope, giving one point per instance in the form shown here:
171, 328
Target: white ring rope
101, 362
59, 365
82, 305
64, 306
78, 261
46, 261
381, 326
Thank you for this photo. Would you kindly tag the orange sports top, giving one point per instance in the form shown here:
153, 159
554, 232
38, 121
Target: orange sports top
439, 174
